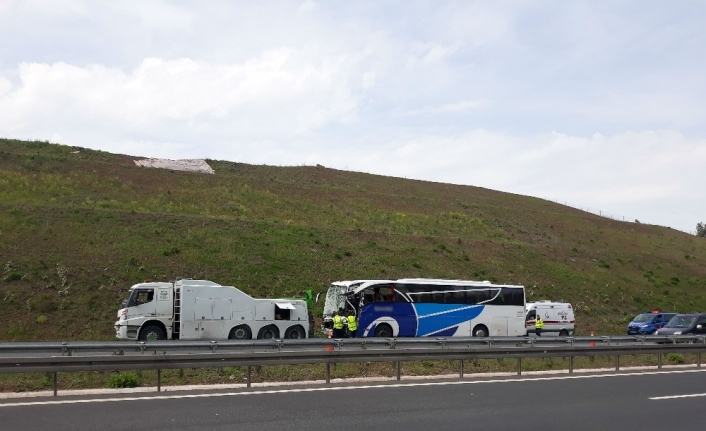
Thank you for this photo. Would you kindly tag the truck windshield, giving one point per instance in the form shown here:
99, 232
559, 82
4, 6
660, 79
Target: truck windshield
138, 297
681, 322
642, 318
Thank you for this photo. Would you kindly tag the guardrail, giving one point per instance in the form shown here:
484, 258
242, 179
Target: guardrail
50, 357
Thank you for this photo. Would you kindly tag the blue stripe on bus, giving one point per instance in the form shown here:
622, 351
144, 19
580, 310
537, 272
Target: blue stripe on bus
433, 318
419, 319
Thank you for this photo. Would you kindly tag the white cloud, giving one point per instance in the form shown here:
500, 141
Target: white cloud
448, 108
274, 89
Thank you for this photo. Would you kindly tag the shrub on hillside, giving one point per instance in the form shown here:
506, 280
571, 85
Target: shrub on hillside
701, 229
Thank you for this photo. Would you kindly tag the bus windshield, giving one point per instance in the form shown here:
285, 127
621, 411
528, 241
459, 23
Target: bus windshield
336, 296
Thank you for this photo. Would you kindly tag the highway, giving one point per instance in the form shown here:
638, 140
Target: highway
665, 400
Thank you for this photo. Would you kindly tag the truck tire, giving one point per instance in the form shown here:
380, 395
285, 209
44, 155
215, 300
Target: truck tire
383, 330
268, 332
295, 332
564, 333
240, 332
152, 333
480, 331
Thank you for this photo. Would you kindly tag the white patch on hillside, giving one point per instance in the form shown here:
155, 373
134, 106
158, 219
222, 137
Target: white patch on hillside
192, 165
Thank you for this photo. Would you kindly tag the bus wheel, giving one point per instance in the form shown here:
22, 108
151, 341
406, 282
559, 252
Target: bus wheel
383, 330
241, 332
564, 333
295, 332
480, 331
152, 333
268, 332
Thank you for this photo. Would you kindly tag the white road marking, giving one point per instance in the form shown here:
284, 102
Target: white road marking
345, 388
671, 397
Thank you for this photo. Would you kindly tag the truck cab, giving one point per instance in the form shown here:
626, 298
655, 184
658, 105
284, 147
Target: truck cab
146, 313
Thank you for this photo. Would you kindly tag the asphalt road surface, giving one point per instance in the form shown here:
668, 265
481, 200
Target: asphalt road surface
659, 400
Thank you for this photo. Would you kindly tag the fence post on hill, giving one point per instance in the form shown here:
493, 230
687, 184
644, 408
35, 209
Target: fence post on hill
249, 375
54, 385
397, 364
519, 366
460, 374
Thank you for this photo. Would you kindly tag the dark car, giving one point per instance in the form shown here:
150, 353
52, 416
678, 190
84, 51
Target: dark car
682, 324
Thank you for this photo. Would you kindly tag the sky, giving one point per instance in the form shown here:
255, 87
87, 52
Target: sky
597, 104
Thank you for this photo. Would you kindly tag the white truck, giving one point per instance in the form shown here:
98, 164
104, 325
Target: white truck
558, 317
201, 309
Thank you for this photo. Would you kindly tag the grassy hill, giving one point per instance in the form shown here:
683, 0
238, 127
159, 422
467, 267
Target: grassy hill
78, 227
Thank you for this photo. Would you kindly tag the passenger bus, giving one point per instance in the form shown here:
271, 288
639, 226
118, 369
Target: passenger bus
422, 307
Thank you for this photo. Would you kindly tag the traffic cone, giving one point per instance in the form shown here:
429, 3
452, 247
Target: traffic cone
592, 344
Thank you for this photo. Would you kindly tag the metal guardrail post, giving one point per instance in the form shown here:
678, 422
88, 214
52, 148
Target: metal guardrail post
519, 366
698, 360
328, 373
159, 380
398, 370
54, 383
571, 363
617, 363
249, 375
659, 361
460, 374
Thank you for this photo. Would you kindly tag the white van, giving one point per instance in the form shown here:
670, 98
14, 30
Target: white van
558, 317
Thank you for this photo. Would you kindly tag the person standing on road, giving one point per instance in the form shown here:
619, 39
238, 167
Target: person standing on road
538, 325
338, 331
352, 325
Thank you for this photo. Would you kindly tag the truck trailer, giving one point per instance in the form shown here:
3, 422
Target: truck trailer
203, 310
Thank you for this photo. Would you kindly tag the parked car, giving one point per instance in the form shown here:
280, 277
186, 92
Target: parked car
683, 324
648, 322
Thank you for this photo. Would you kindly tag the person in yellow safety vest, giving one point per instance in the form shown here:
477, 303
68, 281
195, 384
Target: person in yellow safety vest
338, 331
538, 325
352, 325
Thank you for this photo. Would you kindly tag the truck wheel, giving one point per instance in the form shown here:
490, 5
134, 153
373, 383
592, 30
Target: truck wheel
152, 333
564, 333
383, 330
480, 331
268, 332
295, 332
241, 332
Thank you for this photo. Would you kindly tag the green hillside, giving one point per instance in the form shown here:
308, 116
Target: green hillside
78, 227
